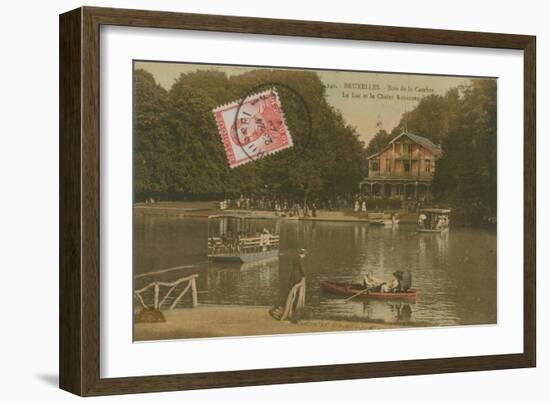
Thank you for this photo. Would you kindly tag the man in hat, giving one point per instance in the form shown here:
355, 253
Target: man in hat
297, 273
296, 276
401, 282
406, 281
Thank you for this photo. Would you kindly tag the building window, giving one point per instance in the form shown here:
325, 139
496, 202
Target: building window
428, 165
406, 166
387, 165
375, 165
406, 148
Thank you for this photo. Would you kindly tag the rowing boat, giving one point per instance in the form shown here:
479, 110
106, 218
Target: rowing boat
349, 289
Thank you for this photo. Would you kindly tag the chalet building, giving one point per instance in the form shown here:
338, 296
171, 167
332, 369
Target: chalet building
404, 169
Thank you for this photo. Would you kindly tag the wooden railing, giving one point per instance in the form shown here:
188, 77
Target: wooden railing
158, 304
245, 245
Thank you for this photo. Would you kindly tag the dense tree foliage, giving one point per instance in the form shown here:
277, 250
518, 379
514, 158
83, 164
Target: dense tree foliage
432, 117
151, 145
466, 175
463, 121
179, 153
379, 141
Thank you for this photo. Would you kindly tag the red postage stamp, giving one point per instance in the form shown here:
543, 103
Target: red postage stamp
252, 128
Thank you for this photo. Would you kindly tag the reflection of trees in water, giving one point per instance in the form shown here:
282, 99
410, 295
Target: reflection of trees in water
389, 312
427, 243
442, 242
164, 242
360, 234
252, 283
402, 312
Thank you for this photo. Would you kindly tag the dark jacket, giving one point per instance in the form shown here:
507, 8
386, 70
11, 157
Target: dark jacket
406, 281
297, 272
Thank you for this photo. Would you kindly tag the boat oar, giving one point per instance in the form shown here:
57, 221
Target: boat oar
359, 293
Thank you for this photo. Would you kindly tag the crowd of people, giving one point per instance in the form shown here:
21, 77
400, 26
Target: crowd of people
286, 206
310, 208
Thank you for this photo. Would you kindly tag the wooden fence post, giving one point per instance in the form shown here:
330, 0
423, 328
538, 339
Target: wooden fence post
157, 287
194, 292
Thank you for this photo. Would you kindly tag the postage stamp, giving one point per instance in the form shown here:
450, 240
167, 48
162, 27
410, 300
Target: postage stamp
252, 128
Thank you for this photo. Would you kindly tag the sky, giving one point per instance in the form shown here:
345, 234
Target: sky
367, 100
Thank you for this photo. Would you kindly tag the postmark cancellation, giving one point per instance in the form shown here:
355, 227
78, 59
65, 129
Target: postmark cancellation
253, 127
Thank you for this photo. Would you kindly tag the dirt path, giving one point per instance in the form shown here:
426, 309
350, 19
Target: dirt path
226, 321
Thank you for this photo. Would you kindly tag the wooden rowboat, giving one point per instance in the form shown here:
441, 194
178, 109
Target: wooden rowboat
348, 289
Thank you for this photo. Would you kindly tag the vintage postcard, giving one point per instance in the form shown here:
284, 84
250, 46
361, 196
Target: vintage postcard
274, 200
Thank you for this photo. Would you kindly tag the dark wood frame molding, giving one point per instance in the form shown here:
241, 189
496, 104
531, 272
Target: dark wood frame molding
79, 200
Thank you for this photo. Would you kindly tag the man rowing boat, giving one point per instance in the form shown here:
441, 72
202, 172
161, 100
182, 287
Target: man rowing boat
401, 282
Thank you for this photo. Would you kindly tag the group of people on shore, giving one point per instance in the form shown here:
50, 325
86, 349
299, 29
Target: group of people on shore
310, 207
293, 207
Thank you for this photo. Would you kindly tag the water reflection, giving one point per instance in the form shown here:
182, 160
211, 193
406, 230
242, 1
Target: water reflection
455, 272
253, 283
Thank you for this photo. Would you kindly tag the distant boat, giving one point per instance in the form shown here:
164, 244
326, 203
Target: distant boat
350, 289
233, 238
433, 220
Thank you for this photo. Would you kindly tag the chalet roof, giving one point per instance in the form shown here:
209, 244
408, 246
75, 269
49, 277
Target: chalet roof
423, 141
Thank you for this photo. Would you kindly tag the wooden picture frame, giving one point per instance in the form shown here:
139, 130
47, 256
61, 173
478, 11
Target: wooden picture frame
79, 346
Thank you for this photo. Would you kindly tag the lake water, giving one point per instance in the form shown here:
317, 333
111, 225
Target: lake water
455, 272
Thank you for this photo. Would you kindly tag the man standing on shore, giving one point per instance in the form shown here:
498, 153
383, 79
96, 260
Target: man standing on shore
296, 289
297, 273
294, 302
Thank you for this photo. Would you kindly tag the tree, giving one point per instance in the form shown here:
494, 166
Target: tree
432, 116
380, 140
324, 162
151, 144
466, 175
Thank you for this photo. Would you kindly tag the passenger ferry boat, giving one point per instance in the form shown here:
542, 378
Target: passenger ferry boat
433, 220
236, 238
